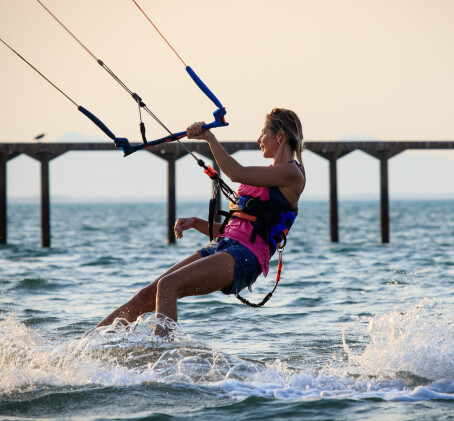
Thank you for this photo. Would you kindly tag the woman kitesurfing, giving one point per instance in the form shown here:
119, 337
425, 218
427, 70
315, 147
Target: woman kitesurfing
261, 212
265, 209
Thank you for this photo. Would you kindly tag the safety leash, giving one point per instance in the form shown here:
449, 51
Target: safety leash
268, 296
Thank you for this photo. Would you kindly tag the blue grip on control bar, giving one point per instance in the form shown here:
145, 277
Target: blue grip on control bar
97, 121
203, 87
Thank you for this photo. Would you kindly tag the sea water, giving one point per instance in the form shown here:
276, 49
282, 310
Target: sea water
355, 330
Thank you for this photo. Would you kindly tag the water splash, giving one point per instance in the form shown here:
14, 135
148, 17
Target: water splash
408, 357
113, 355
418, 342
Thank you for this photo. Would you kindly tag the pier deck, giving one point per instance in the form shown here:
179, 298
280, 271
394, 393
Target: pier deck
171, 152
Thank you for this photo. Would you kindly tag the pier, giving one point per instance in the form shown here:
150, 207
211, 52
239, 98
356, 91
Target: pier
171, 152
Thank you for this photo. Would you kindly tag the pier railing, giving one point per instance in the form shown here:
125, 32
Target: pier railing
171, 152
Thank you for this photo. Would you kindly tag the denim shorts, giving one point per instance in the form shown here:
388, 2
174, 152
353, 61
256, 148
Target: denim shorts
247, 267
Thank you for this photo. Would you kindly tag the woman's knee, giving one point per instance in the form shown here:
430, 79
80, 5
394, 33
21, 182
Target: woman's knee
167, 285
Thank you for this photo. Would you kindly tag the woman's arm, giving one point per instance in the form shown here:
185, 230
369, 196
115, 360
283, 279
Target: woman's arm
281, 175
183, 224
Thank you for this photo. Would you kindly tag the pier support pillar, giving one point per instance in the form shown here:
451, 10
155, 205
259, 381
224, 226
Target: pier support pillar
4, 158
171, 156
45, 200
383, 156
332, 157
3, 206
384, 199
44, 157
171, 201
333, 203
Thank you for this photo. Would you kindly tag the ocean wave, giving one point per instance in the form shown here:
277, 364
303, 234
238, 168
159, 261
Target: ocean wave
36, 284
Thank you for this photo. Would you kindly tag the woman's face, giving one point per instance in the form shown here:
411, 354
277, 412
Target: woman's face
268, 142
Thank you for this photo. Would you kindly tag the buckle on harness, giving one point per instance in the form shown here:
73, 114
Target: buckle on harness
250, 203
280, 248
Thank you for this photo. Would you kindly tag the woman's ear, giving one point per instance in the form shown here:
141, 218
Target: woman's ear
280, 136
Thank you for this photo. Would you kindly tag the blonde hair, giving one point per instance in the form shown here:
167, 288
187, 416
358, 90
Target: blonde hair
287, 121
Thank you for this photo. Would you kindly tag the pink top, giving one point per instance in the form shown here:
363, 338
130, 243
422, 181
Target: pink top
240, 229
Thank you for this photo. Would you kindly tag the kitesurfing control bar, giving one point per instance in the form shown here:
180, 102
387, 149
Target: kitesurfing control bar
123, 143
219, 122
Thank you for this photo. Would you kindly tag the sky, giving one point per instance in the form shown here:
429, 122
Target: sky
351, 69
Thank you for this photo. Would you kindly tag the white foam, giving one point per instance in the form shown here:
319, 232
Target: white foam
408, 358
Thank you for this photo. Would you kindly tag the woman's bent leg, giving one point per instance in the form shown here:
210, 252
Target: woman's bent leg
145, 300
200, 277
